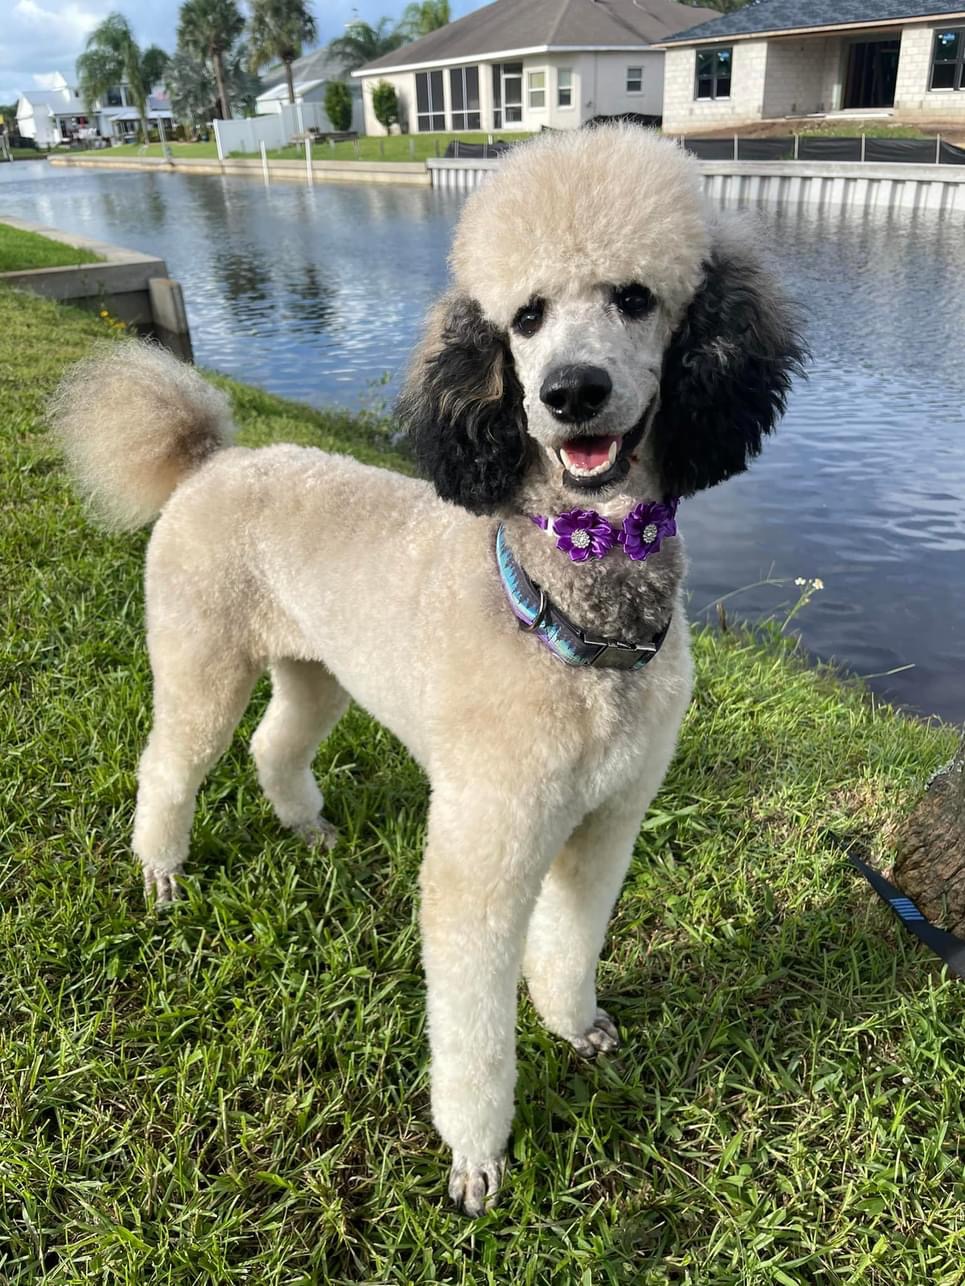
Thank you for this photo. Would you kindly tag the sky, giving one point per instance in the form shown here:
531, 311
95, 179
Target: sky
39, 38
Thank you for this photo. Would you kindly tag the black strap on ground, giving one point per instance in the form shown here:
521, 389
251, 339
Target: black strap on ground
945, 945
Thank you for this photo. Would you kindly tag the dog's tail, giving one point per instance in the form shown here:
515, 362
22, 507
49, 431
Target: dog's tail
133, 422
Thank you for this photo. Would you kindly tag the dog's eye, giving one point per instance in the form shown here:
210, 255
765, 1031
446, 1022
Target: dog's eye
529, 318
634, 300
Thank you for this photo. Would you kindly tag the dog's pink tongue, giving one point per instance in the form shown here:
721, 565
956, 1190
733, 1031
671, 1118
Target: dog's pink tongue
589, 453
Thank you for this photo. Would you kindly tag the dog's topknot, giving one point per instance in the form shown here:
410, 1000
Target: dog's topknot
614, 204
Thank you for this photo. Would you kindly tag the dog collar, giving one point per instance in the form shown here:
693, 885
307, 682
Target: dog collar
538, 615
583, 533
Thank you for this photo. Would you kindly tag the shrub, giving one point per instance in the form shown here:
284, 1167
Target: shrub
338, 105
385, 104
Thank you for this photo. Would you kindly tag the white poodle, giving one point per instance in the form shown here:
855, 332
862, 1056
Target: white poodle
608, 346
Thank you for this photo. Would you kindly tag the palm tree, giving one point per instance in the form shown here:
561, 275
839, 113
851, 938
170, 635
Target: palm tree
190, 83
419, 19
113, 57
277, 30
209, 28
362, 43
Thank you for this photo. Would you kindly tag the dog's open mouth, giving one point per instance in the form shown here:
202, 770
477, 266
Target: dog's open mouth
592, 462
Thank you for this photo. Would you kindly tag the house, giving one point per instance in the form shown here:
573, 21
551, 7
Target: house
311, 75
59, 115
778, 58
523, 64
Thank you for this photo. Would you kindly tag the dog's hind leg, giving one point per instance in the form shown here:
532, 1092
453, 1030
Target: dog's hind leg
568, 926
306, 703
200, 693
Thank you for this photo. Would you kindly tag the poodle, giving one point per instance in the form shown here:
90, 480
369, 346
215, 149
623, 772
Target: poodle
608, 346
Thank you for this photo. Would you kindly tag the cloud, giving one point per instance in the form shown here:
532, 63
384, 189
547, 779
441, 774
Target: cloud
43, 37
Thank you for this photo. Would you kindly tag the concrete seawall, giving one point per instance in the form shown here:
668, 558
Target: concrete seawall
322, 171
848, 184
134, 288
858, 185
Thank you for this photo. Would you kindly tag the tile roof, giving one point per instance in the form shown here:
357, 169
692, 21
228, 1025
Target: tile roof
508, 25
761, 16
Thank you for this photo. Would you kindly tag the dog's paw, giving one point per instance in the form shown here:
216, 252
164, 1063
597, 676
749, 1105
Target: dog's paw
160, 886
473, 1185
319, 833
602, 1038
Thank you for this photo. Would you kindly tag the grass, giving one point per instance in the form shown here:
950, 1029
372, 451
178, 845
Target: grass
236, 1092
21, 251
396, 147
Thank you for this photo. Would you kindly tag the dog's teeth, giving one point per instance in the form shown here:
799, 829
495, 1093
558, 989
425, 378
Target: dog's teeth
612, 453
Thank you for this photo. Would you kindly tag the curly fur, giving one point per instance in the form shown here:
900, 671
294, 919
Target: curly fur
344, 579
133, 425
463, 409
726, 374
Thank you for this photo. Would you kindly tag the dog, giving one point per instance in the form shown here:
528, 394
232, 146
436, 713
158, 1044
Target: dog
608, 347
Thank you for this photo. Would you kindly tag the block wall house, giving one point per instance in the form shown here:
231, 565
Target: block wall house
519, 65
779, 58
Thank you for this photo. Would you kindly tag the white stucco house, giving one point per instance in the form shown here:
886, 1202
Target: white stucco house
779, 58
59, 115
311, 75
518, 65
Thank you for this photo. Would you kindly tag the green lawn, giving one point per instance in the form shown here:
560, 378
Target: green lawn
396, 147
20, 251
236, 1092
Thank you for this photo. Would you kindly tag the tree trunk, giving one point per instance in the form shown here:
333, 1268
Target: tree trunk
218, 63
291, 83
930, 863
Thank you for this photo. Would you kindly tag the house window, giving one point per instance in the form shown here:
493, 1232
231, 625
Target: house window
713, 73
946, 64
537, 89
464, 97
113, 97
634, 80
507, 94
429, 101
564, 87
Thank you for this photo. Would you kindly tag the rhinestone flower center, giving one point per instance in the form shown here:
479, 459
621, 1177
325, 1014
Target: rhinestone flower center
649, 533
581, 539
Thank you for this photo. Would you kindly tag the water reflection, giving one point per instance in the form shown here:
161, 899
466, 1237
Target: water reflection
318, 293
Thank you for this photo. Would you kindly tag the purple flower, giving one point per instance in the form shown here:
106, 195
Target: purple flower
583, 534
646, 526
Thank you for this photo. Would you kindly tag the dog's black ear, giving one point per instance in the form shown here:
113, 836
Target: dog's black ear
462, 408
726, 374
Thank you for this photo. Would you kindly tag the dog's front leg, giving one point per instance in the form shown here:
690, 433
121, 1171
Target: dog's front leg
485, 857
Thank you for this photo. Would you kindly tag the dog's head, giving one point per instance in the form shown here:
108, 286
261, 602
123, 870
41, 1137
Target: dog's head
602, 324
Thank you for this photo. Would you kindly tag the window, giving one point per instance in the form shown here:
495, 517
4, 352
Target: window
537, 89
429, 101
946, 64
113, 97
464, 97
564, 87
634, 80
713, 73
507, 94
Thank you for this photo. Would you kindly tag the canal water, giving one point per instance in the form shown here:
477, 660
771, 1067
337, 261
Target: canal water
317, 294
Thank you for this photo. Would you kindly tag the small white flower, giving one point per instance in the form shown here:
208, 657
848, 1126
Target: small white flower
799, 580
817, 584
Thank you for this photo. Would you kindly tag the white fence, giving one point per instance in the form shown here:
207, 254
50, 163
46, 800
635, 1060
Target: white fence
274, 130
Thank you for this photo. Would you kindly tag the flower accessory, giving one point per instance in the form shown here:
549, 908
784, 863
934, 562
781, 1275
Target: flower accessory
583, 534
646, 526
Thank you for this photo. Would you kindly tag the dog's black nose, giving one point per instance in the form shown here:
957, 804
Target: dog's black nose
576, 393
